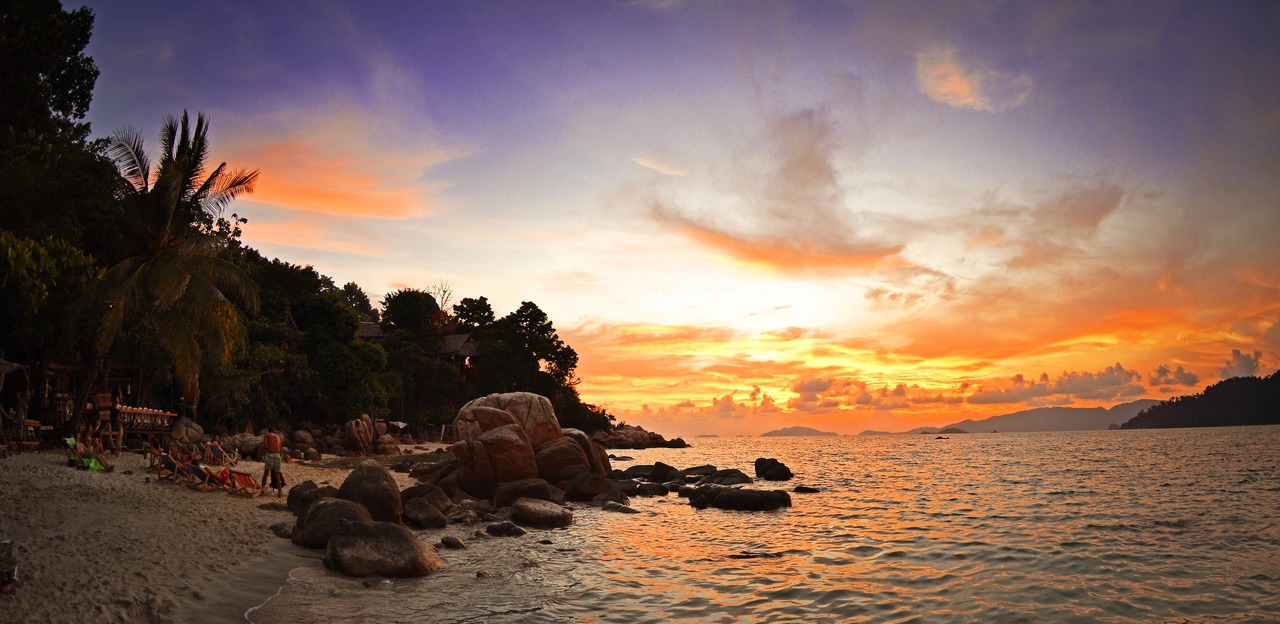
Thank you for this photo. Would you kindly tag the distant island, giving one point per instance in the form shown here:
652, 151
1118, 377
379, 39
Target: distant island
1239, 401
707, 435
1044, 419
797, 431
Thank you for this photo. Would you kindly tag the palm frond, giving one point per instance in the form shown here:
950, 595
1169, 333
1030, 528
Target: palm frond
127, 152
176, 337
229, 186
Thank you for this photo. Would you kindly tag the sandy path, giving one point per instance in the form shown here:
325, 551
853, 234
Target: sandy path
110, 547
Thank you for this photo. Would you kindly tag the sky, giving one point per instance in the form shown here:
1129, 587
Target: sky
751, 215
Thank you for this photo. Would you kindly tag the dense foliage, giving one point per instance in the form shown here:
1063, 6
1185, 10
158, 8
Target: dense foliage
128, 274
1231, 402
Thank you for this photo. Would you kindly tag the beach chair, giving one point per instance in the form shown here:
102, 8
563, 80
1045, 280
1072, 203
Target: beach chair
244, 484
216, 455
165, 466
83, 463
205, 478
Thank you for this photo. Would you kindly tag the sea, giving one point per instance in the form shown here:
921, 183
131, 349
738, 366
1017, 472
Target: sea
1178, 525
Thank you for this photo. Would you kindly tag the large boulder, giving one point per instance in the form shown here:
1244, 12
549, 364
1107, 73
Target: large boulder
372, 485
320, 519
474, 420
561, 460
597, 457
531, 411
540, 514
359, 434
186, 430
727, 476
379, 549
302, 495
634, 437
302, 438
770, 469
386, 444
586, 486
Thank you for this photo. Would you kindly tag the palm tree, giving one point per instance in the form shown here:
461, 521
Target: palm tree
172, 276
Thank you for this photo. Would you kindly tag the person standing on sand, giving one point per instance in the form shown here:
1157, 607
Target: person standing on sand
273, 462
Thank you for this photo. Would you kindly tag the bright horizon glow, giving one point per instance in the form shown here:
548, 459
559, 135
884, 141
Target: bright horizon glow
748, 216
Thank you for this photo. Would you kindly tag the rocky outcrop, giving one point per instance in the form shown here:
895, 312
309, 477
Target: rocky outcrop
507, 493
318, 522
770, 469
727, 476
634, 437
379, 549
515, 437
186, 430
371, 484
420, 513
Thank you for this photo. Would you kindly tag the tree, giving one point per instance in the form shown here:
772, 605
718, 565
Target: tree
411, 310
359, 301
473, 314
171, 275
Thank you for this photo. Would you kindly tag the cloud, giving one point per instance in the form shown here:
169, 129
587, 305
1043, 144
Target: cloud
1241, 365
1112, 383
1164, 376
948, 79
784, 206
659, 167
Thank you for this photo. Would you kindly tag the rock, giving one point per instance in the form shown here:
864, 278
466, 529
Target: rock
419, 512
385, 444
611, 495
692, 474
597, 457
432, 493
739, 499
586, 486
510, 453
531, 411
250, 447
320, 519
379, 549
311, 454
728, 476
627, 486
186, 430
540, 514
359, 434
652, 489
663, 472
283, 529
302, 438
458, 515
804, 489
633, 437
302, 495
770, 469
562, 460
508, 492
452, 543
504, 529
472, 421
619, 508
372, 485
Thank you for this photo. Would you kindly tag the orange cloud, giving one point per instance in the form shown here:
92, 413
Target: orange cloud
307, 234
945, 78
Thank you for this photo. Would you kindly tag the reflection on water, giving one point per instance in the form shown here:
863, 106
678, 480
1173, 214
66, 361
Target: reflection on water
1131, 526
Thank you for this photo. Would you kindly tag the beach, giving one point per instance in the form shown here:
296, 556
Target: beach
125, 546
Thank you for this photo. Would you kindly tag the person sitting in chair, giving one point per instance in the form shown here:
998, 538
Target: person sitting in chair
89, 447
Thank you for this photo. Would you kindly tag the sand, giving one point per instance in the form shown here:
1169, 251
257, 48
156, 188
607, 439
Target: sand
113, 547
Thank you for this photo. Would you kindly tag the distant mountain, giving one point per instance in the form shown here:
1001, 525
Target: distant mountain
798, 431
1231, 402
1046, 419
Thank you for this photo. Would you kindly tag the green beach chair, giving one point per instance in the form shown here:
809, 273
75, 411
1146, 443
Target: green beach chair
82, 463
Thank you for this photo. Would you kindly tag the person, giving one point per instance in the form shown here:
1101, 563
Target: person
86, 448
273, 462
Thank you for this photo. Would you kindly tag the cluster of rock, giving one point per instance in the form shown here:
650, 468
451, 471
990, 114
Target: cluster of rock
513, 443
360, 437
634, 437
704, 486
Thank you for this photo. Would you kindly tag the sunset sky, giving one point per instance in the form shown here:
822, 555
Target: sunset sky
750, 215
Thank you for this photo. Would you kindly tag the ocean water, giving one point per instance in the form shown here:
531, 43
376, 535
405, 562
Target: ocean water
1107, 526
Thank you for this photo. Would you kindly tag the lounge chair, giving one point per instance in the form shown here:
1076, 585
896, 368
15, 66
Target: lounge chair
83, 463
216, 455
244, 483
205, 478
